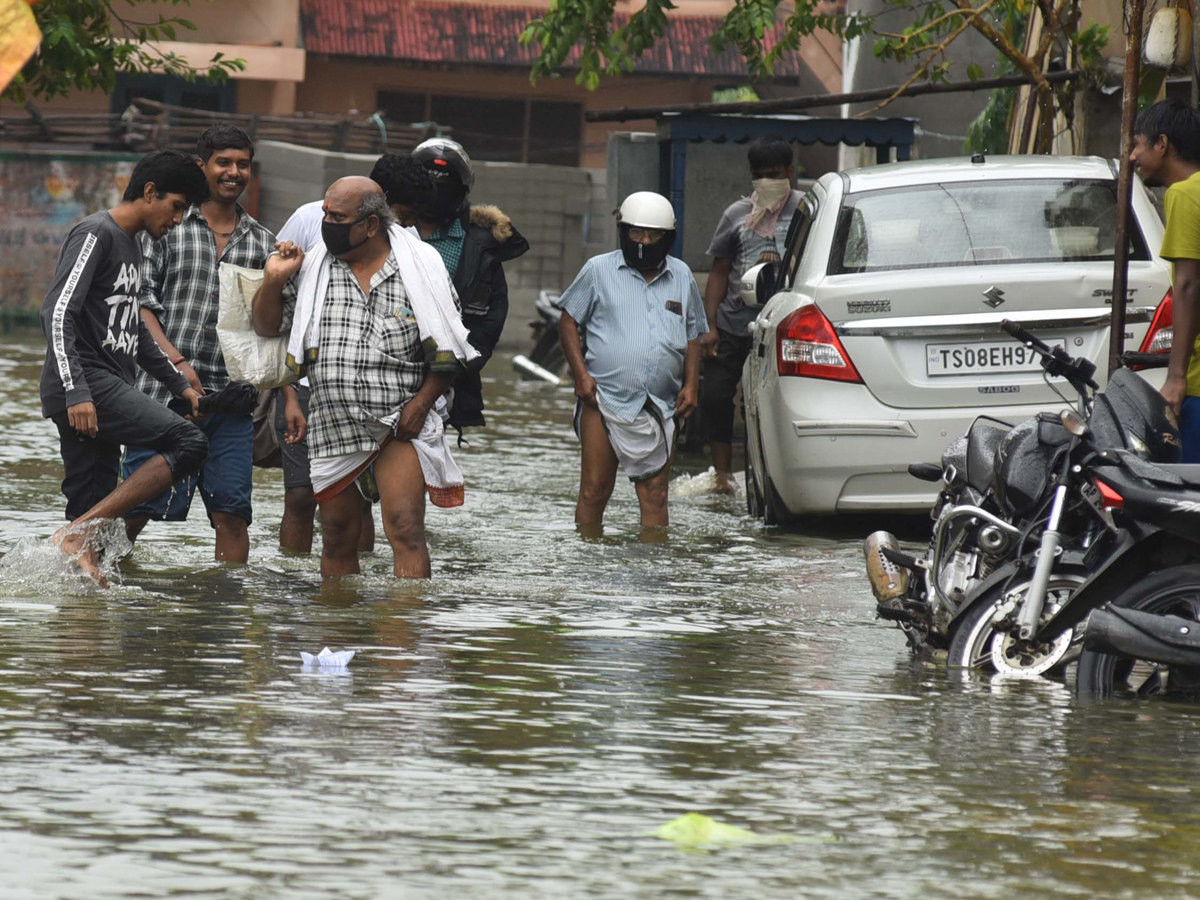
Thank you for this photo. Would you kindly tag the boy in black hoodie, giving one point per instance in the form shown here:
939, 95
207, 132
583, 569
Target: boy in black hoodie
96, 341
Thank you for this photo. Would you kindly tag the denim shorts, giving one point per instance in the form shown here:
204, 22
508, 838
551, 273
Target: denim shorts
225, 480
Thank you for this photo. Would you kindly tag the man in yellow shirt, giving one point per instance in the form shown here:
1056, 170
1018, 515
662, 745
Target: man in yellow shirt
1166, 150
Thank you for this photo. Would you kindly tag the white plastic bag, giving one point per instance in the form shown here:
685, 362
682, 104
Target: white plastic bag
248, 357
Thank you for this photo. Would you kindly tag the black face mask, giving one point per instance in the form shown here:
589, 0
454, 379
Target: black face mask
336, 236
643, 257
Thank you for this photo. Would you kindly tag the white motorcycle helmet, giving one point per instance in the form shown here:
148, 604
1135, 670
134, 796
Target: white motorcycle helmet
646, 209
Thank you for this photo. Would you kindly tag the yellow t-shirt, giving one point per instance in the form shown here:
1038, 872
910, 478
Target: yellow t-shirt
1181, 240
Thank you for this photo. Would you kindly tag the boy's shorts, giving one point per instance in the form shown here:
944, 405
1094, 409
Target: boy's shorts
225, 480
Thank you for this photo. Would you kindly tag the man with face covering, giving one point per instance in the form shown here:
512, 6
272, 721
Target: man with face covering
750, 232
376, 328
641, 313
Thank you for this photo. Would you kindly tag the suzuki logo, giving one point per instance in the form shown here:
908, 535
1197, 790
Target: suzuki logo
993, 297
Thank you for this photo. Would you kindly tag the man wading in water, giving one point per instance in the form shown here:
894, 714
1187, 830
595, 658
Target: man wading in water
642, 315
376, 328
96, 343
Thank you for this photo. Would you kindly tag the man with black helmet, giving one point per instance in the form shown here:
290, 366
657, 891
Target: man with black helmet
642, 314
474, 242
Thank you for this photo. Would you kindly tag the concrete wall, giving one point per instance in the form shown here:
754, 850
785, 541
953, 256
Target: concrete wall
41, 196
559, 210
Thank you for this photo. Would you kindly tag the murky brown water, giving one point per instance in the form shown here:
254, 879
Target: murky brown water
519, 727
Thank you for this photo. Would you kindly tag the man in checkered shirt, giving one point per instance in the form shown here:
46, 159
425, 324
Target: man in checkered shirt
372, 378
179, 306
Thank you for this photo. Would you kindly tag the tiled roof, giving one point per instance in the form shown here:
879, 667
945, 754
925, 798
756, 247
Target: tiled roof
484, 35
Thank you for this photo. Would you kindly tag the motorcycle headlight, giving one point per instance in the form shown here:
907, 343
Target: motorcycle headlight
1139, 446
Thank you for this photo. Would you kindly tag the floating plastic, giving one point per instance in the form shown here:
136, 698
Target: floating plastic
702, 483
327, 659
696, 830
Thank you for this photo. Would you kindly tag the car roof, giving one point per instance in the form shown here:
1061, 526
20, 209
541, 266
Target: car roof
993, 168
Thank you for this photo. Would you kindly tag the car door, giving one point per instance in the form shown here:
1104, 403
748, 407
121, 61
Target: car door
757, 367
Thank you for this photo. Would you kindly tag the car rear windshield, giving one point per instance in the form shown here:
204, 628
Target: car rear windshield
979, 223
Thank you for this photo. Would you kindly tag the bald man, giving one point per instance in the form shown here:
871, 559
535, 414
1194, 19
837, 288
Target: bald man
373, 383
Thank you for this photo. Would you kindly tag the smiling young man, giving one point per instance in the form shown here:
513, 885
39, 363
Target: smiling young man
1166, 150
96, 344
179, 299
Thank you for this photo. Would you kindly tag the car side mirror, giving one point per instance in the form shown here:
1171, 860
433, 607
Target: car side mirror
758, 284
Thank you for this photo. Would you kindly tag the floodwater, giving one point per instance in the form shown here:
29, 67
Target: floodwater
521, 725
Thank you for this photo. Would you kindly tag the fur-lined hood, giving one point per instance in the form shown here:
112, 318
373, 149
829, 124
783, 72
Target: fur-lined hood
494, 232
494, 220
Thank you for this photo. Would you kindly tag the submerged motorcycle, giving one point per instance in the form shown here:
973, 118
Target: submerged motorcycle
1017, 525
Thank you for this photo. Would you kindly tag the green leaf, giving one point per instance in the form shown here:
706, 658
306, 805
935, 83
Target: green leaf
974, 72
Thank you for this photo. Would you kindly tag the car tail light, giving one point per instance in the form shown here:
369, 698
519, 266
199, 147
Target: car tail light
806, 345
1158, 339
1109, 498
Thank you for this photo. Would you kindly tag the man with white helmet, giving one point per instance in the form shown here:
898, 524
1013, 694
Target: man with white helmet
641, 316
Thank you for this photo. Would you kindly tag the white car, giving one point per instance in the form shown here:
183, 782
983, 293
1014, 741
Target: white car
878, 341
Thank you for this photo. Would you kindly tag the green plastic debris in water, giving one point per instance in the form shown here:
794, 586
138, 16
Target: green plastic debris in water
695, 830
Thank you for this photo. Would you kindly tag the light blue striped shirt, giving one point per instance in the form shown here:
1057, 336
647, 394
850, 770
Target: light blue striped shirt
636, 332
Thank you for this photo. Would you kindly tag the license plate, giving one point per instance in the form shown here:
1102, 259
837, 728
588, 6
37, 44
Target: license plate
982, 358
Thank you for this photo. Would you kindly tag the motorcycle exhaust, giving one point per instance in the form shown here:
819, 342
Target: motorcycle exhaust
1169, 640
888, 580
525, 366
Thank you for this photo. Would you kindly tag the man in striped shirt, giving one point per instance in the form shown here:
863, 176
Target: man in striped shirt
642, 316
96, 342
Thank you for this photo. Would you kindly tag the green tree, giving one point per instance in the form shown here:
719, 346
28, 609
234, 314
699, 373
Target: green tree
86, 43
762, 36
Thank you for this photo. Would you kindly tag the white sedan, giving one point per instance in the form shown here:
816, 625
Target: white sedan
878, 341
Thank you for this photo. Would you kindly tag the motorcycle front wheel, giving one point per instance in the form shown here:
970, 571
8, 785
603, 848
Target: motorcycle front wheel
1175, 592
976, 644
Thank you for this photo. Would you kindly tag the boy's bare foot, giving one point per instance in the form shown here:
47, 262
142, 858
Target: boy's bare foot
75, 542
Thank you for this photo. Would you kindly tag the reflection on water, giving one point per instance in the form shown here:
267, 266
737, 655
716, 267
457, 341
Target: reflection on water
521, 725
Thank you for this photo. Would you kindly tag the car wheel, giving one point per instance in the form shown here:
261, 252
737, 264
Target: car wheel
754, 500
773, 510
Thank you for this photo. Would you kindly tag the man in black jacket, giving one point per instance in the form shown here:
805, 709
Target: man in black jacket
475, 242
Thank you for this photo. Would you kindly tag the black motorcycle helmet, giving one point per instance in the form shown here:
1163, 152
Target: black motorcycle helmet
450, 170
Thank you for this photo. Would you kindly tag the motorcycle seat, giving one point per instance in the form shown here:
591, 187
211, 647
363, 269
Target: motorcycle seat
1188, 473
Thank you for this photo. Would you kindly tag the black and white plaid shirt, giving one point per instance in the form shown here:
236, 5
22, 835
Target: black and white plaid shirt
369, 361
180, 285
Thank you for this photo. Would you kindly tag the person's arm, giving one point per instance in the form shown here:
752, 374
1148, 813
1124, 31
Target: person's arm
485, 330
1186, 310
155, 360
154, 270
689, 396
293, 415
585, 384
153, 328
714, 293
266, 309
416, 410
77, 263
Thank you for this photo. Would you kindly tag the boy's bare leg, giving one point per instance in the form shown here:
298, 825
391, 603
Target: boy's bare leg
402, 504
147, 482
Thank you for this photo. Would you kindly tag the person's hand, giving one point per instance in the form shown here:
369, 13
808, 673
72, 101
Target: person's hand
412, 418
708, 343
685, 403
297, 425
585, 390
186, 370
283, 264
1174, 390
192, 396
82, 417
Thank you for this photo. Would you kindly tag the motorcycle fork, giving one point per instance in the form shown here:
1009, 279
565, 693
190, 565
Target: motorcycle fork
1031, 612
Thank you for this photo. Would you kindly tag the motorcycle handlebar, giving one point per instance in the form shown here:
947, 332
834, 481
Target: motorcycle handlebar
1055, 360
1015, 330
1145, 360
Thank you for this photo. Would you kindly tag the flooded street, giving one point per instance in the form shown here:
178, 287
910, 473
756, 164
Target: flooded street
521, 725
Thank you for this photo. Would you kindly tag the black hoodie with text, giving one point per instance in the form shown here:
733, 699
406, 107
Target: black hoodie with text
91, 318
